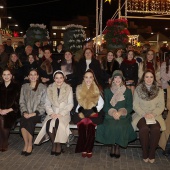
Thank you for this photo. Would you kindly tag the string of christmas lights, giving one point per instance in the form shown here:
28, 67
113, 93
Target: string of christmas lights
149, 6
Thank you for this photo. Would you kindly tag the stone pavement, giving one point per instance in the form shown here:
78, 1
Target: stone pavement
42, 160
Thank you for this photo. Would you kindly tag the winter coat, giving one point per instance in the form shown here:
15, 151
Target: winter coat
165, 134
165, 76
94, 65
9, 98
62, 105
130, 70
142, 106
32, 101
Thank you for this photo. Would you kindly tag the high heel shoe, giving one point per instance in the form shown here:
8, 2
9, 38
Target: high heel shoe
53, 152
112, 155
59, 153
151, 161
84, 154
28, 153
146, 160
89, 155
23, 152
117, 156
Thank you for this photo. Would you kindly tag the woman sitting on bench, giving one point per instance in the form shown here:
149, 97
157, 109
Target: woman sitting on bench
116, 129
32, 101
9, 107
59, 102
88, 113
148, 105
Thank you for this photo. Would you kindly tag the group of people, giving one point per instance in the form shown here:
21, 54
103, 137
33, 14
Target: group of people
48, 90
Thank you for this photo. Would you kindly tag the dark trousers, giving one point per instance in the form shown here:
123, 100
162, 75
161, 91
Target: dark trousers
4, 135
86, 132
149, 137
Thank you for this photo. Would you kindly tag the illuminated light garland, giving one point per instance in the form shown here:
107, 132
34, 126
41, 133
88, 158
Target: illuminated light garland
149, 6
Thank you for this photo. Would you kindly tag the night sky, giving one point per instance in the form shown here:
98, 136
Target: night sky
59, 10
66, 10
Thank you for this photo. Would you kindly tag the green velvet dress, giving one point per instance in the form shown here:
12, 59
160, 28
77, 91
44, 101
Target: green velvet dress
114, 131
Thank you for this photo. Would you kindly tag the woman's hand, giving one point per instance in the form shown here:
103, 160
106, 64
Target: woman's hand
44, 80
55, 116
32, 114
149, 116
116, 115
26, 115
81, 115
5, 111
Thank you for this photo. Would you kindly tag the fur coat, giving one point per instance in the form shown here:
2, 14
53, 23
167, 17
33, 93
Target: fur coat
62, 105
165, 135
33, 101
148, 102
89, 102
9, 98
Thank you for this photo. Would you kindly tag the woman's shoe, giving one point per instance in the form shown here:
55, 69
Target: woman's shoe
151, 161
112, 155
53, 152
84, 154
117, 156
146, 160
23, 152
28, 153
59, 153
89, 155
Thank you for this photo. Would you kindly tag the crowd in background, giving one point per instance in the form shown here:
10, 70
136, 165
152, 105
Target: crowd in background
132, 82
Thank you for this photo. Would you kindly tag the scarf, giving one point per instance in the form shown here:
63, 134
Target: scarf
117, 94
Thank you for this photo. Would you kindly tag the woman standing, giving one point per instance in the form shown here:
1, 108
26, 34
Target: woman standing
30, 64
150, 63
89, 62
88, 113
15, 65
116, 128
148, 105
68, 66
59, 102
9, 107
118, 54
32, 101
109, 65
48, 67
129, 68
165, 73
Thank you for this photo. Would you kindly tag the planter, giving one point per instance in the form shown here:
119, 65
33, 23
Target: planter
115, 46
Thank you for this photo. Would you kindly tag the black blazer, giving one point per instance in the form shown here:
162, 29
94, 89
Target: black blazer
94, 65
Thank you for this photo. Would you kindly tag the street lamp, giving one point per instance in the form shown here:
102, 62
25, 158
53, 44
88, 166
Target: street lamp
1, 6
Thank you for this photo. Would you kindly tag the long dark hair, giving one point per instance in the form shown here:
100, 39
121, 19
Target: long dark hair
37, 82
95, 80
63, 62
104, 62
143, 76
155, 65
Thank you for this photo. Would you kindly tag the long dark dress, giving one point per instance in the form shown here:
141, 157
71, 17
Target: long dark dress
116, 131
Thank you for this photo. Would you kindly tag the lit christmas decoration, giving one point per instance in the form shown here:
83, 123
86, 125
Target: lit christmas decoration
149, 6
108, 1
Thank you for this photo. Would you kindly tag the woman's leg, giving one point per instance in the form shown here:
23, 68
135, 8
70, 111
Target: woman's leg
144, 137
52, 135
154, 139
24, 133
90, 137
81, 137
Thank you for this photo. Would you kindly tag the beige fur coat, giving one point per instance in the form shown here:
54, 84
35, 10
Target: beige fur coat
62, 105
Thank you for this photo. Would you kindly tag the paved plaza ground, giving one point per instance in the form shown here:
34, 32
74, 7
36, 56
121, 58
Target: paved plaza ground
42, 160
